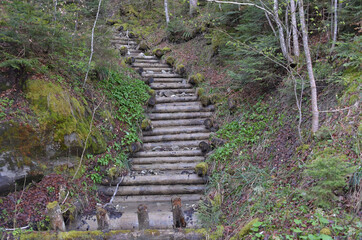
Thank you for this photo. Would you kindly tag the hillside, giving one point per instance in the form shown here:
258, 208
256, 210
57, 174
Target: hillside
271, 111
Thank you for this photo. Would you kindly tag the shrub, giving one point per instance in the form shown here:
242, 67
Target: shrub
329, 171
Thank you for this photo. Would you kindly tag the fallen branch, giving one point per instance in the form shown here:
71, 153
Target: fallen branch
243, 4
341, 109
115, 191
13, 229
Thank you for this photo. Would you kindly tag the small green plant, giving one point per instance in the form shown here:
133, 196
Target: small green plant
96, 178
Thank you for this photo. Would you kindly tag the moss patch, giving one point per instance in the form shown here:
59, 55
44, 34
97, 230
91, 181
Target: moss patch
63, 116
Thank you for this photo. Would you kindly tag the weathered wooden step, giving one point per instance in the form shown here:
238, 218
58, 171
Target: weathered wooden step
175, 130
160, 180
168, 153
176, 99
176, 104
174, 109
154, 69
166, 80
149, 65
182, 159
170, 85
141, 59
161, 75
122, 42
181, 122
164, 116
177, 92
153, 145
176, 137
156, 198
166, 167
153, 189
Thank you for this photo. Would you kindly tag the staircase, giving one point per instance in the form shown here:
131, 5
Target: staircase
164, 168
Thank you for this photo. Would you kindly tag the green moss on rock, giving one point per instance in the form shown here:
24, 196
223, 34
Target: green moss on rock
205, 101
180, 69
158, 52
63, 116
171, 61
201, 169
123, 50
197, 79
166, 50
326, 231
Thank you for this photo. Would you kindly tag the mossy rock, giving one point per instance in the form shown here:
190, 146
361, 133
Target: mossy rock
197, 79
171, 61
143, 46
62, 118
166, 50
326, 231
146, 125
205, 100
123, 50
151, 92
245, 230
201, 169
129, 60
158, 52
200, 92
180, 69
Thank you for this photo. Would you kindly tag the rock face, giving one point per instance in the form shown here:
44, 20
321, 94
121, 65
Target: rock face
57, 129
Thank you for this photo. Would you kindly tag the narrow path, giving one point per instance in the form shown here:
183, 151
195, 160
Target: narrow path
165, 166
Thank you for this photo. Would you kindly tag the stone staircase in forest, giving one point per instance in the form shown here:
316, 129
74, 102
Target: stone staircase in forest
165, 167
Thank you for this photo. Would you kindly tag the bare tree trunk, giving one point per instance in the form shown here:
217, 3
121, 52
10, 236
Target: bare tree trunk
166, 13
314, 101
335, 24
193, 7
92, 43
283, 46
293, 10
288, 29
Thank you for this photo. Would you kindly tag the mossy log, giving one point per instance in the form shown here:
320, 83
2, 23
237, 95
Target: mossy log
196, 79
135, 147
146, 125
143, 46
204, 146
217, 142
201, 169
158, 52
123, 50
171, 61
208, 123
151, 101
181, 70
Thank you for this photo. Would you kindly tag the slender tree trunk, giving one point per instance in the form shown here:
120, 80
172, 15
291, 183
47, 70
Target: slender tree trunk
314, 101
92, 43
335, 30
193, 7
288, 29
166, 13
293, 10
283, 46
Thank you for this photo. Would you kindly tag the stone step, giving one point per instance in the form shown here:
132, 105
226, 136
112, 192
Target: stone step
181, 122
183, 109
176, 137
173, 144
182, 159
186, 115
175, 130
156, 198
160, 180
161, 75
150, 65
153, 189
168, 153
166, 167
170, 86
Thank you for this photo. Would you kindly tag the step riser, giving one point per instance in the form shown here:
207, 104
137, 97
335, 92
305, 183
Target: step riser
150, 146
166, 167
176, 137
169, 153
160, 180
183, 122
174, 109
170, 116
154, 190
175, 99
159, 160
156, 198
161, 75
176, 130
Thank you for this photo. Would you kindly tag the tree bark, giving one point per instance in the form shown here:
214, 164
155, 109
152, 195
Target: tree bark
314, 101
193, 7
335, 30
293, 10
92, 43
166, 13
283, 46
